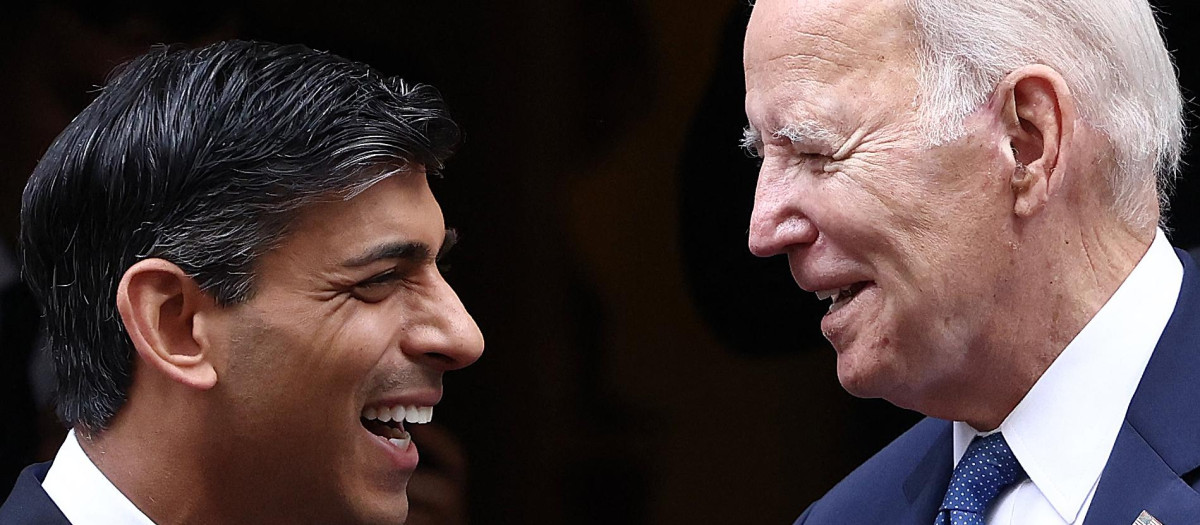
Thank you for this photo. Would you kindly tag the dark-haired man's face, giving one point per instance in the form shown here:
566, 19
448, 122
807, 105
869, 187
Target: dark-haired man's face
350, 320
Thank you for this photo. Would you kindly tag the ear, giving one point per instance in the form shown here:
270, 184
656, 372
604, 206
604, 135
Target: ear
1038, 116
159, 303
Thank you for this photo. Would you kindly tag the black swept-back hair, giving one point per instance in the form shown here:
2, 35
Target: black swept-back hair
201, 157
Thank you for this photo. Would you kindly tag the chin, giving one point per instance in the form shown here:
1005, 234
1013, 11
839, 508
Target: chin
871, 361
858, 386
879, 382
864, 375
365, 500
384, 512
855, 381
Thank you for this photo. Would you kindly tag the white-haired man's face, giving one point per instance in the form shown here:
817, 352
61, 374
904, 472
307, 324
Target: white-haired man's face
909, 239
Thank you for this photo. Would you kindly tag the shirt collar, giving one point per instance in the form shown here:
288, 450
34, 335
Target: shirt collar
82, 492
1064, 429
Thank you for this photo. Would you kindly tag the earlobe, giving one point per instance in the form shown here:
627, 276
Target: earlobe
159, 304
1029, 190
1037, 117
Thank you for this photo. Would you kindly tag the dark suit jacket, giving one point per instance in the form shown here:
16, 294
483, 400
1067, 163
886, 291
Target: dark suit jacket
1154, 465
28, 504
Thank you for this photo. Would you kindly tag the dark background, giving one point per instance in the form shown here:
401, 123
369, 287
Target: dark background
642, 366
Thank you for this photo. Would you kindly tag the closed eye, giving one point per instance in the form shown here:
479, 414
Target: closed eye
410, 257
377, 287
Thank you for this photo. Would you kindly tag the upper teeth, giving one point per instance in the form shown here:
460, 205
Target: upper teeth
406, 413
836, 293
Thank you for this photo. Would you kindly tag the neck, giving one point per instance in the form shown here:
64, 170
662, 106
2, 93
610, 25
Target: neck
143, 462
1060, 279
156, 454
178, 469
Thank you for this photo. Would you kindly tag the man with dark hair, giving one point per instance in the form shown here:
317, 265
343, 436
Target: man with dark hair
975, 186
55, 53
236, 250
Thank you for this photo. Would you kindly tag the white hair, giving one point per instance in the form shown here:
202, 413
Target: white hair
1110, 53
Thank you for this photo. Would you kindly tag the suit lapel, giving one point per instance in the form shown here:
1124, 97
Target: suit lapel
901, 485
926, 486
1136, 479
1160, 439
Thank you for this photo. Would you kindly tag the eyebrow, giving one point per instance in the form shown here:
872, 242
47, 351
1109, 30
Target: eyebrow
404, 250
751, 138
808, 132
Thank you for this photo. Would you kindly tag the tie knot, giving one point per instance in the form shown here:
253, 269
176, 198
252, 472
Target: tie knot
986, 469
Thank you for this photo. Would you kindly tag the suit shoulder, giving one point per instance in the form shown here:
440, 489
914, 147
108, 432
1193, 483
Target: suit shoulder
891, 481
28, 503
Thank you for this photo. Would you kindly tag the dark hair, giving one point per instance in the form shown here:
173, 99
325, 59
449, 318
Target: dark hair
201, 157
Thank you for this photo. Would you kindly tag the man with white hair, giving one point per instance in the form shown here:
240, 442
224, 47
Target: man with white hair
976, 185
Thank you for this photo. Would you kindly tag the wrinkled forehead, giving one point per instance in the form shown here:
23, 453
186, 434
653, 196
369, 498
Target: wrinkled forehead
828, 35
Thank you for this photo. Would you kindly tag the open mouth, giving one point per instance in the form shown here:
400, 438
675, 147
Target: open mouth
387, 422
841, 296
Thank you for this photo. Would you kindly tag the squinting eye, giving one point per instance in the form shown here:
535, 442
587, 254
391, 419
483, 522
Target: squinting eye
376, 288
809, 158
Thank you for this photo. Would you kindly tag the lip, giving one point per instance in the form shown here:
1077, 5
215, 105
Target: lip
814, 285
836, 325
812, 275
424, 398
405, 460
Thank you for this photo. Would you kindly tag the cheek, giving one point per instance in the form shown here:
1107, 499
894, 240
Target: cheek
881, 214
936, 216
318, 367
373, 328
348, 340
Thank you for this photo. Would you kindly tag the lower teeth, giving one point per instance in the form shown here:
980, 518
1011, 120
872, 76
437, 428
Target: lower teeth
842, 300
400, 443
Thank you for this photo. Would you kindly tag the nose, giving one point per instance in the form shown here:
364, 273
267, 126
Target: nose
778, 221
447, 337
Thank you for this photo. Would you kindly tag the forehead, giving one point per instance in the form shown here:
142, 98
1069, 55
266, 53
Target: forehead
801, 48
400, 207
838, 31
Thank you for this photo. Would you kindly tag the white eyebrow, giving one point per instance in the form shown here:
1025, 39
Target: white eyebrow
808, 132
751, 138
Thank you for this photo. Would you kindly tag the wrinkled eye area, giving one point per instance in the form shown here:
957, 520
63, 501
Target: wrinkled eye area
377, 287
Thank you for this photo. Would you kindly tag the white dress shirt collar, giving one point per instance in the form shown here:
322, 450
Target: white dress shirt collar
1063, 430
82, 492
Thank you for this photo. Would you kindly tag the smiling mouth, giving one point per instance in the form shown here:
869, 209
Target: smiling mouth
841, 296
387, 422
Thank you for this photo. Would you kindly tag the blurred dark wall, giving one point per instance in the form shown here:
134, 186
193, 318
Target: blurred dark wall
642, 367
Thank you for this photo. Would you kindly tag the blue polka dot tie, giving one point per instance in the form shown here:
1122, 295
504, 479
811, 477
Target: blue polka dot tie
986, 469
